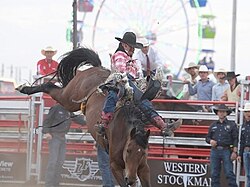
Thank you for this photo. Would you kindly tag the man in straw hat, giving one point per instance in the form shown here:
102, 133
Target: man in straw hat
245, 143
223, 137
222, 84
122, 62
149, 58
233, 93
47, 65
203, 88
192, 70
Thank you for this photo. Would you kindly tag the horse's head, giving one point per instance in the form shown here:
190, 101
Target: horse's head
135, 154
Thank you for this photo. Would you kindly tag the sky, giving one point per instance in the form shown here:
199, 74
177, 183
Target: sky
28, 26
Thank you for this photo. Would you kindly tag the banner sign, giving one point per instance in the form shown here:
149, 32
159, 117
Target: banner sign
77, 170
180, 174
12, 167
85, 170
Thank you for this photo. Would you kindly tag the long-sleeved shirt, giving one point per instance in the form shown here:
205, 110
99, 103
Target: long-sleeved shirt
59, 119
202, 89
154, 58
122, 63
185, 90
225, 133
218, 91
245, 137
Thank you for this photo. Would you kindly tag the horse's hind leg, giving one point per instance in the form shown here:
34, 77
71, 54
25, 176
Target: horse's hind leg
118, 174
144, 175
45, 87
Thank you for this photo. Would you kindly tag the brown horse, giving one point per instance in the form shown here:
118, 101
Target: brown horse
127, 147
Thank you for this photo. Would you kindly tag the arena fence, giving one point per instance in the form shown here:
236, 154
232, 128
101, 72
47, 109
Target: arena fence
181, 160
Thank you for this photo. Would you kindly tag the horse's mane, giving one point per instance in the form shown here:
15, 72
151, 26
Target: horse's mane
70, 61
141, 139
134, 118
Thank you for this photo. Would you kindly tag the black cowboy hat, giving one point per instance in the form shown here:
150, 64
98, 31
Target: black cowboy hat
231, 75
130, 39
222, 107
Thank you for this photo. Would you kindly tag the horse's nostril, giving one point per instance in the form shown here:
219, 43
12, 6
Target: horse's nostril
129, 182
126, 179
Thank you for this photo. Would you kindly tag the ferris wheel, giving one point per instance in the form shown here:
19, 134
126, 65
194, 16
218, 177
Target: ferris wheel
170, 26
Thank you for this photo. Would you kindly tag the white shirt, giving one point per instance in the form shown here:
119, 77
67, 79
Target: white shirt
185, 90
154, 59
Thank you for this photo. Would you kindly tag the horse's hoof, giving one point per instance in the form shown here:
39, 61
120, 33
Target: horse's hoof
21, 87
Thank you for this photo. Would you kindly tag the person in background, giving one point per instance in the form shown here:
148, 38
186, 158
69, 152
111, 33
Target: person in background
104, 166
245, 143
192, 71
149, 58
233, 93
203, 88
47, 65
223, 137
55, 127
222, 84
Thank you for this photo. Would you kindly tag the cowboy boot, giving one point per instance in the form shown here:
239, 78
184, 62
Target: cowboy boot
166, 129
105, 119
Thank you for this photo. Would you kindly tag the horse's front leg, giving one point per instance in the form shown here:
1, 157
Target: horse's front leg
118, 174
144, 175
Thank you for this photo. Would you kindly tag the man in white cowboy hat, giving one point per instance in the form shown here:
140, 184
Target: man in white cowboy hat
233, 93
47, 65
221, 86
149, 58
192, 70
203, 88
245, 143
223, 137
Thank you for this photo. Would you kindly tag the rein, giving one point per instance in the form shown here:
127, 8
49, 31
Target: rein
59, 123
84, 101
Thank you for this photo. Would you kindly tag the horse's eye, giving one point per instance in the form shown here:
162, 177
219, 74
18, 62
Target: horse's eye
128, 150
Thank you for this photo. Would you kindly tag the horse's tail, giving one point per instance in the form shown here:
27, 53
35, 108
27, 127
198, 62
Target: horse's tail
70, 61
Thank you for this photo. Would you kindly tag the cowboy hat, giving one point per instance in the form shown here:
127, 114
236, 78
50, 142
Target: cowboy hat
231, 75
144, 42
222, 107
246, 108
220, 70
203, 68
130, 39
49, 48
191, 65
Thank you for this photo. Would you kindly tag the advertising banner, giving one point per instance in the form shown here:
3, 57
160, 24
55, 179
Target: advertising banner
77, 170
12, 167
85, 170
181, 174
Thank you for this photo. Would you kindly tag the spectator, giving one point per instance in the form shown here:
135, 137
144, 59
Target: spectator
55, 126
222, 85
245, 143
203, 88
149, 58
47, 65
223, 137
233, 93
192, 70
